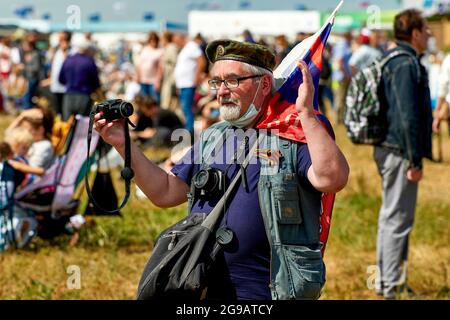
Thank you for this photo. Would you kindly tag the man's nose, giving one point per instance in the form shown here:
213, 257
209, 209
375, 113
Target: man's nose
222, 89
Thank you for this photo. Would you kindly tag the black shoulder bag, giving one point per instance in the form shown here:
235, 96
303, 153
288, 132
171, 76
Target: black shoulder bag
185, 254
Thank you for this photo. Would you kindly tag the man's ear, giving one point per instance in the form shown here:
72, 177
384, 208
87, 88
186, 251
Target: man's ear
266, 85
415, 34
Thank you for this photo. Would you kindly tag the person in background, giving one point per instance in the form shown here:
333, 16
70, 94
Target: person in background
39, 122
341, 55
79, 75
366, 52
169, 98
148, 67
443, 103
399, 157
210, 113
14, 88
32, 68
325, 91
189, 72
5, 57
247, 36
300, 36
281, 48
202, 43
154, 125
20, 141
92, 48
62, 52
5, 68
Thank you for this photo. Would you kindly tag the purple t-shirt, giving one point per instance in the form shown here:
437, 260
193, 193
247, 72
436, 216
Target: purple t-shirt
79, 74
248, 261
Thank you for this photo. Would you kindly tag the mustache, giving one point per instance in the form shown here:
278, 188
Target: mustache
228, 100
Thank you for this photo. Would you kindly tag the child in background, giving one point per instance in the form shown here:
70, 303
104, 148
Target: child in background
39, 122
20, 140
21, 226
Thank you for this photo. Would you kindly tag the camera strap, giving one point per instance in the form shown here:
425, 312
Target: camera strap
216, 212
127, 173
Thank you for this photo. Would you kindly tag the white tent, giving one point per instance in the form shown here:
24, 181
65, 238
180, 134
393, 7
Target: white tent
216, 24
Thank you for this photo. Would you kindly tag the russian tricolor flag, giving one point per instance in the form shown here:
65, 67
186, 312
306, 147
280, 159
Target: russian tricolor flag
282, 115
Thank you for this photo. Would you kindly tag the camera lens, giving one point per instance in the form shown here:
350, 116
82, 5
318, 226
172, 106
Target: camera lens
201, 179
126, 109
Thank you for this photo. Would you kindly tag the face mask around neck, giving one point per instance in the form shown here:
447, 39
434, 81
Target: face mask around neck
249, 116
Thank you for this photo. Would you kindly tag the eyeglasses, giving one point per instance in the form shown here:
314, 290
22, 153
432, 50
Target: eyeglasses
232, 83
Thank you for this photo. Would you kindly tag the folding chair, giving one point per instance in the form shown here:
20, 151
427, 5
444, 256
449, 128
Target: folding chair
51, 197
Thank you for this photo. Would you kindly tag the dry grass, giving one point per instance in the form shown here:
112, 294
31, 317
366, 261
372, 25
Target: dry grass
112, 252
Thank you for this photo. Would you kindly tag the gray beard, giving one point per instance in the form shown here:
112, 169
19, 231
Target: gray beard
230, 113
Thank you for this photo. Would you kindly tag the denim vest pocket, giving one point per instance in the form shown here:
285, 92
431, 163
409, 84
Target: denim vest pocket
306, 271
287, 205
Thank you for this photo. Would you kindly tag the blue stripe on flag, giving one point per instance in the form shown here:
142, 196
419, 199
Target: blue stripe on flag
313, 58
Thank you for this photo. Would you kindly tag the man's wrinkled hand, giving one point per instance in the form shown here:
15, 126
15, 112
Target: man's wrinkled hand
305, 99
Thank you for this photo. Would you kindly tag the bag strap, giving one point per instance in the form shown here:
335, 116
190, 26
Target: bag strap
214, 215
397, 53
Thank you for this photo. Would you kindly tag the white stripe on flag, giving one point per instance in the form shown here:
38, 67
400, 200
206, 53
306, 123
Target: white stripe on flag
288, 118
297, 120
289, 63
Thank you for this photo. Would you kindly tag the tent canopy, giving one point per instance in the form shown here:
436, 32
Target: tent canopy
85, 26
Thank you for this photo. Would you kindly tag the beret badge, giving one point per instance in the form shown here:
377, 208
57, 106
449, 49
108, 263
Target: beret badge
220, 51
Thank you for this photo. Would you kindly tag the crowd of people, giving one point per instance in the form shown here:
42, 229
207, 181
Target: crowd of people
168, 78
171, 68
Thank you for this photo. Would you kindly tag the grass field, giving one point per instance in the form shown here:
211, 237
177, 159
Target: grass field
112, 251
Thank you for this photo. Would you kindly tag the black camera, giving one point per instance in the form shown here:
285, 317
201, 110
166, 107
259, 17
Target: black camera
209, 182
115, 109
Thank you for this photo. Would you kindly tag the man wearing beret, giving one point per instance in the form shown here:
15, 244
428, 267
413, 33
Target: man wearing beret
274, 213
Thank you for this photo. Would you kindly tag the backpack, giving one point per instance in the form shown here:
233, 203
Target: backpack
364, 116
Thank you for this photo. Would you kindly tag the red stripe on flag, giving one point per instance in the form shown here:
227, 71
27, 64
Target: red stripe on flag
317, 52
325, 218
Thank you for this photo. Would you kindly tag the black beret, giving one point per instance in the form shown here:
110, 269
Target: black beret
251, 53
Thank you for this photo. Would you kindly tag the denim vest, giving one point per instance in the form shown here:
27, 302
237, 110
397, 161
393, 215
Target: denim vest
291, 213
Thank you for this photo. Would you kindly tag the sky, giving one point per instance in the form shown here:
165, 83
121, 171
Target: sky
171, 10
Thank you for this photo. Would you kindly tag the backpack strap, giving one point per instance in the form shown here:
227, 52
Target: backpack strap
397, 53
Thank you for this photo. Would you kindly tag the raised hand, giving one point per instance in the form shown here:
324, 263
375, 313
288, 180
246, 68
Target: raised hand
305, 99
